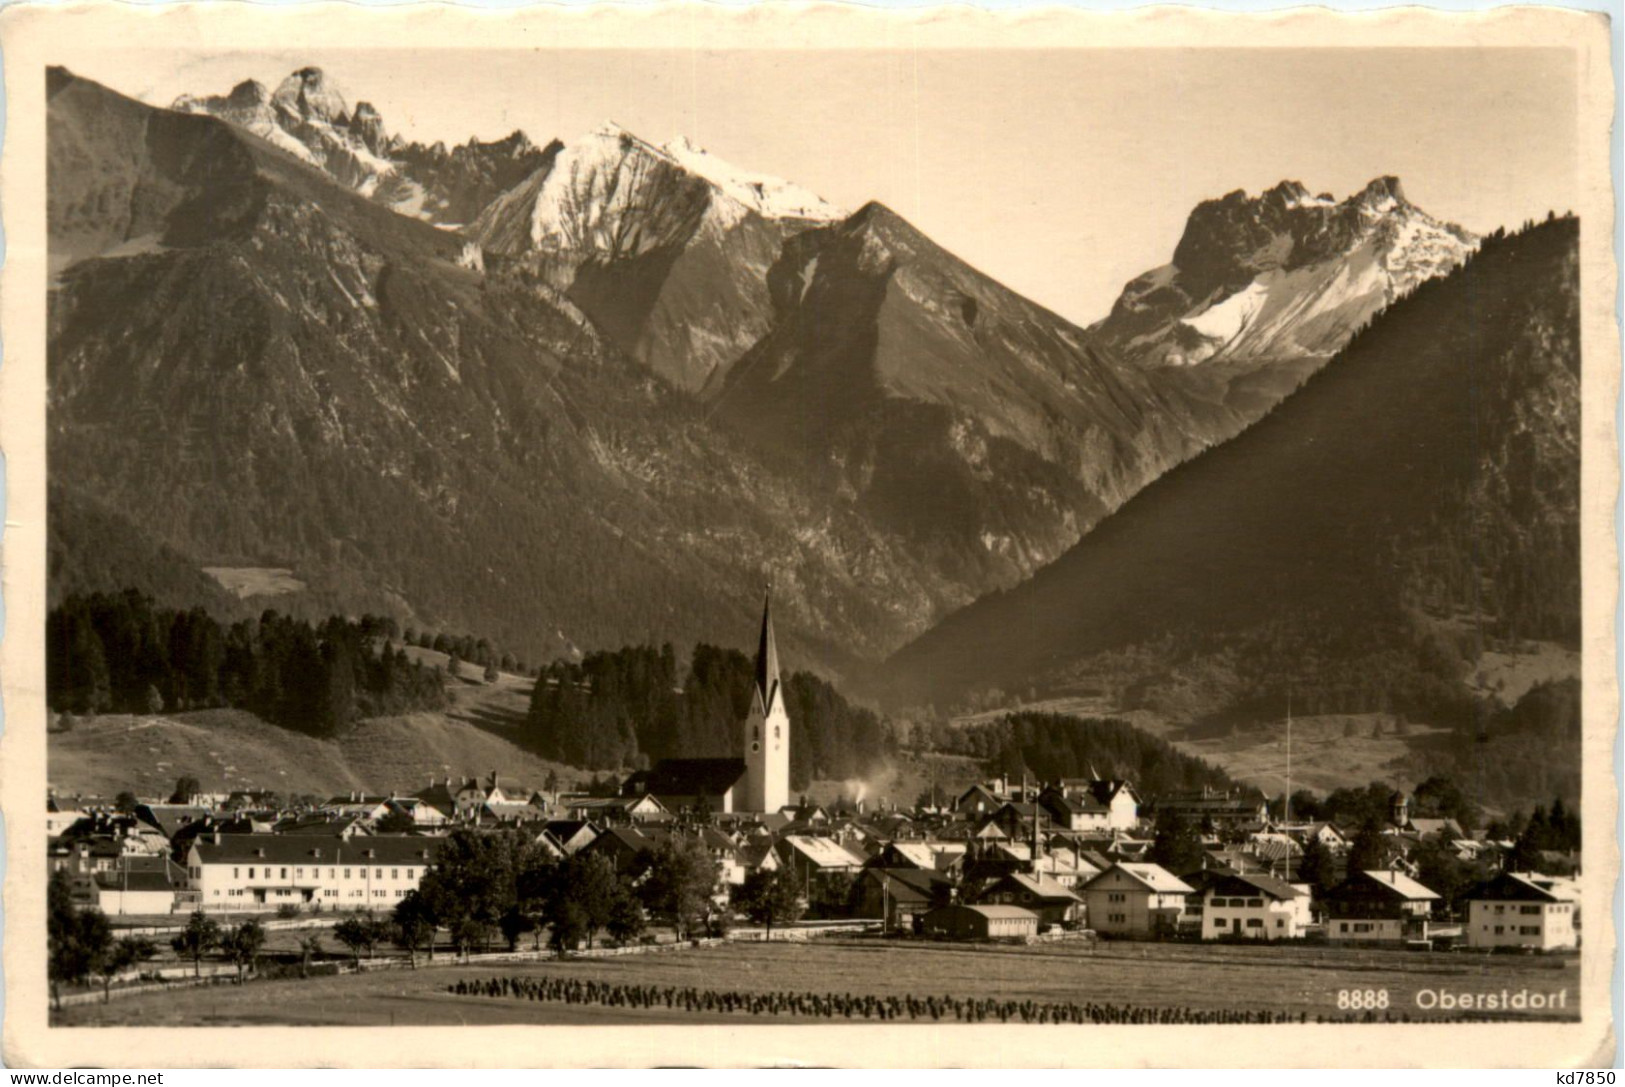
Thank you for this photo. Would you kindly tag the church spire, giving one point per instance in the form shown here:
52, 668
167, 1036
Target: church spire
767, 655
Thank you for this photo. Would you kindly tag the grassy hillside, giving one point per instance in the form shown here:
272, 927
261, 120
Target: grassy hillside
229, 749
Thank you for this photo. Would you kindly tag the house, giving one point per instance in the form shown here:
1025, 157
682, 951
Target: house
566, 837
1121, 800
1522, 910
509, 813
1075, 812
1053, 903
58, 820
759, 854
253, 871
1216, 807
725, 852
690, 784
1433, 828
899, 895
622, 845
167, 819
370, 808
808, 856
1135, 899
422, 813
978, 800
1253, 907
139, 885
945, 857
1378, 906
959, 922
439, 797
616, 809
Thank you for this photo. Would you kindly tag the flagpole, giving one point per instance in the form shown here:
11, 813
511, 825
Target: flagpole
1289, 755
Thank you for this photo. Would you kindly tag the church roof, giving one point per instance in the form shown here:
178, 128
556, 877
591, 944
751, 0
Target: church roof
694, 777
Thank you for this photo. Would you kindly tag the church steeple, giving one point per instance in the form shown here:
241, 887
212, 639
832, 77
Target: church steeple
767, 656
766, 741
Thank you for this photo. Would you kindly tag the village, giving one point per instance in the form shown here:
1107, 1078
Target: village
1006, 861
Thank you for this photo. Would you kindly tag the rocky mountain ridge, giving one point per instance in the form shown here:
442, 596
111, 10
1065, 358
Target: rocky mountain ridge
1262, 290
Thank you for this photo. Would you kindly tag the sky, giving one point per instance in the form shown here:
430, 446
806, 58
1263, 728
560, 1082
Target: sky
1061, 173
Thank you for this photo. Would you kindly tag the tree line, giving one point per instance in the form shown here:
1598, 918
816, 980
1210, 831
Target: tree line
636, 705
121, 653
1056, 745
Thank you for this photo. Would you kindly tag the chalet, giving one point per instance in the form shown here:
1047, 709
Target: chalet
1134, 899
1253, 907
1120, 799
1053, 903
690, 784
1522, 910
1379, 906
253, 871
959, 922
899, 895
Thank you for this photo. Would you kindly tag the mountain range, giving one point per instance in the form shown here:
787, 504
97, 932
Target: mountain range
589, 392
1261, 291
1355, 551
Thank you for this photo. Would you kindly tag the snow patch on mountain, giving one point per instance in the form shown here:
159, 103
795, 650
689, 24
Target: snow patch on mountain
1283, 275
769, 197
1226, 320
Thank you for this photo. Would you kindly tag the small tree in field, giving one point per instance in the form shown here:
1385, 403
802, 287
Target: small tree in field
200, 936
767, 896
415, 925
119, 957
358, 932
626, 921
491, 673
243, 945
310, 945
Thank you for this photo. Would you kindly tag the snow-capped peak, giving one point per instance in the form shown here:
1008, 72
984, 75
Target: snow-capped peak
768, 196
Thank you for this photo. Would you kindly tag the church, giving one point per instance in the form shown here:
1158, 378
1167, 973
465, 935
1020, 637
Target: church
759, 781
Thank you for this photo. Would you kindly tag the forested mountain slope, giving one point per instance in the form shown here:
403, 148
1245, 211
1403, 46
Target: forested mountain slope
1414, 503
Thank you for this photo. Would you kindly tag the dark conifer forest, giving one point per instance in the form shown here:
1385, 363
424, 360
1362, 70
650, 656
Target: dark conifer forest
121, 653
636, 705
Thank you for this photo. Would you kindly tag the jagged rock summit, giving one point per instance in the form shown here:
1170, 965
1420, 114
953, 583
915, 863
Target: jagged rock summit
1284, 277
309, 117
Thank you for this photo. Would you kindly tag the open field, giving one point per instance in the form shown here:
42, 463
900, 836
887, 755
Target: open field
247, 581
1201, 977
